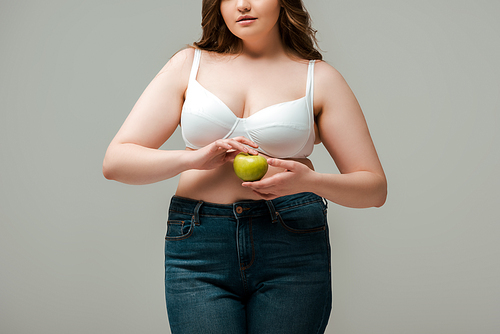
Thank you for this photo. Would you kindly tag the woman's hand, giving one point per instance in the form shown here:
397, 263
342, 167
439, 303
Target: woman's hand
293, 180
221, 151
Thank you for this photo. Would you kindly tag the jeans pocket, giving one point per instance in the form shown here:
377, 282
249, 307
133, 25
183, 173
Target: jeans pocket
179, 226
304, 218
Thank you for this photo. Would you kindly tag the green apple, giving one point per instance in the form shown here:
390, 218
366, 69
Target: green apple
250, 167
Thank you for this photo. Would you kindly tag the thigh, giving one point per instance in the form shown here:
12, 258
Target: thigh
291, 298
205, 311
201, 277
290, 308
291, 275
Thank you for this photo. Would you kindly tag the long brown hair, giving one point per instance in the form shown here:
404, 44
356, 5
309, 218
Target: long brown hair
296, 32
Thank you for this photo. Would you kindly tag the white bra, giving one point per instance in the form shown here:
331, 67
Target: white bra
283, 130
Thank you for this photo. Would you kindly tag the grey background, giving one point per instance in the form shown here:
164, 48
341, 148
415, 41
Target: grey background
80, 254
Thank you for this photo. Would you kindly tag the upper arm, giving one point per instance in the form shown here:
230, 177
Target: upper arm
342, 125
156, 114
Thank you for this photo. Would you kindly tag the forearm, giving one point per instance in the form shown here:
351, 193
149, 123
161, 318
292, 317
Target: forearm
135, 164
356, 190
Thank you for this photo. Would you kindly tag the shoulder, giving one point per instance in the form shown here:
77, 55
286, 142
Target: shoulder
330, 87
326, 74
180, 61
183, 55
176, 71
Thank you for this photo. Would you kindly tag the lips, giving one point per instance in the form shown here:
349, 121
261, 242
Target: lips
246, 18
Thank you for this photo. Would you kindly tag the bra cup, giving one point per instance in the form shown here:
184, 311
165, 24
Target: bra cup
205, 105
308, 147
280, 131
191, 123
291, 112
272, 142
201, 114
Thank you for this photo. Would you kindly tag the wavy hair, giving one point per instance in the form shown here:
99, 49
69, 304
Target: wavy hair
295, 29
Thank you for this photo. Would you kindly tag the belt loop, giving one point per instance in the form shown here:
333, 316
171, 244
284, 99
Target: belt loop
325, 201
274, 214
196, 215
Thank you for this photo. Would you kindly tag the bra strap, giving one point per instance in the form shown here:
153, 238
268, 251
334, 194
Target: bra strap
310, 83
196, 64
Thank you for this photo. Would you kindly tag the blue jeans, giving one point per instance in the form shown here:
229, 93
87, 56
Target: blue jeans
248, 267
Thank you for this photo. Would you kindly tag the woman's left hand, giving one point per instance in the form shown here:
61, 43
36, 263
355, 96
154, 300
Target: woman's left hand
294, 179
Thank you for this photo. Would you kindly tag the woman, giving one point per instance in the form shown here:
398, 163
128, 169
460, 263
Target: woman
249, 257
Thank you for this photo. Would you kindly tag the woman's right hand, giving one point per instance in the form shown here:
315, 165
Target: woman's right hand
221, 151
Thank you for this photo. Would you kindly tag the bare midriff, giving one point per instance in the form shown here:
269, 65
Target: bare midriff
221, 185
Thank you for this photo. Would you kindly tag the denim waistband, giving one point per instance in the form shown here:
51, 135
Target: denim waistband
245, 208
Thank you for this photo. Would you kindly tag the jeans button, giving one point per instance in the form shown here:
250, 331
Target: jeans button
239, 209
